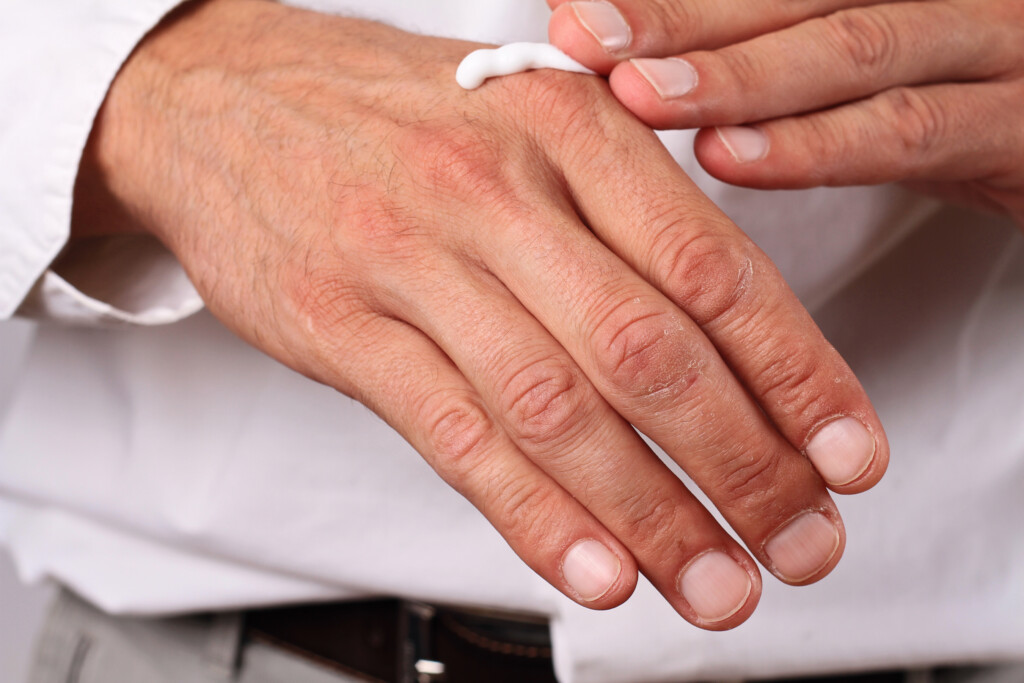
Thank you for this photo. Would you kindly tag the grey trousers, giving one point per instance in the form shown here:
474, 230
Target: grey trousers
80, 644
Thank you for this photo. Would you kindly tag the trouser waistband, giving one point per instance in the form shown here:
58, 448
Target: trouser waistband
397, 641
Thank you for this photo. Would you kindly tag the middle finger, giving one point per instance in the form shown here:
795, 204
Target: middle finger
821, 62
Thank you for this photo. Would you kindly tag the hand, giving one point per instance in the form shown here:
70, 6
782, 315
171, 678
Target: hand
510, 277
842, 92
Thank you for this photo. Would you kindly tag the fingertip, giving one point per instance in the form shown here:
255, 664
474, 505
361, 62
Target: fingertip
568, 34
806, 548
721, 161
636, 92
596, 575
875, 470
712, 154
720, 590
841, 449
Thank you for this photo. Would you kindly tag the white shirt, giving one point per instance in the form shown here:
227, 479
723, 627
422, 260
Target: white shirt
160, 468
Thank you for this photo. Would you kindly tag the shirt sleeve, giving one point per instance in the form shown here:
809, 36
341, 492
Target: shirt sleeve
57, 61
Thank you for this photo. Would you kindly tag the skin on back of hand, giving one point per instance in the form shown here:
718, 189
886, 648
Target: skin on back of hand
512, 277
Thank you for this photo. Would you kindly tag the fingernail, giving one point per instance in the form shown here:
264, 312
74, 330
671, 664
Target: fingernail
605, 22
745, 143
803, 546
671, 77
716, 586
590, 568
841, 451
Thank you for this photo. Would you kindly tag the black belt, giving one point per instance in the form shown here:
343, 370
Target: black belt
396, 641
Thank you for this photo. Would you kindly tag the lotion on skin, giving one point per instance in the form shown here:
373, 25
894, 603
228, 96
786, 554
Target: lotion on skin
513, 58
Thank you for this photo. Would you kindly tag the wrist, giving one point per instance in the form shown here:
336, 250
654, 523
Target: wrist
125, 178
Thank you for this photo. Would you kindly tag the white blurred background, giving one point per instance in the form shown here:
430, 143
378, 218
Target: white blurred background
22, 608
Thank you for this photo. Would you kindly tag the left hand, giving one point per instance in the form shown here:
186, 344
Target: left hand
841, 92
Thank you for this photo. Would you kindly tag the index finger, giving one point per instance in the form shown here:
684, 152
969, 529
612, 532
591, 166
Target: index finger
600, 34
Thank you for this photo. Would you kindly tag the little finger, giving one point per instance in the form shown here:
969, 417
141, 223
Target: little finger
407, 380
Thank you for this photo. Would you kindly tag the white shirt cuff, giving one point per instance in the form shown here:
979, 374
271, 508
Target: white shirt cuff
130, 279
57, 61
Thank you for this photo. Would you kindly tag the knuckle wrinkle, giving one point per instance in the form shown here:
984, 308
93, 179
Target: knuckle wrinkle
645, 355
324, 300
683, 19
654, 520
570, 114
526, 511
457, 432
865, 38
708, 276
746, 481
919, 123
454, 162
544, 402
789, 381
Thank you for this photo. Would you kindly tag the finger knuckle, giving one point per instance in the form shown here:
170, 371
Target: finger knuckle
743, 71
322, 299
371, 227
565, 112
918, 122
791, 380
558, 93
545, 403
683, 19
744, 483
646, 354
655, 521
830, 145
457, 431
709, 276
822, 139
864, 37
526, 510
452, 161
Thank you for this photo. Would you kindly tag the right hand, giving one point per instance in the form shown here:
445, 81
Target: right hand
511, 277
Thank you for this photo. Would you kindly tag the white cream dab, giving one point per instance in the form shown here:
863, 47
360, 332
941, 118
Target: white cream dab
513, 58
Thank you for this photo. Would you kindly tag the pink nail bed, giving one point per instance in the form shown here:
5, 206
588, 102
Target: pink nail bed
672, 77
801, 548
604, 21
841, 451
590, 568
716, 586
746, 144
